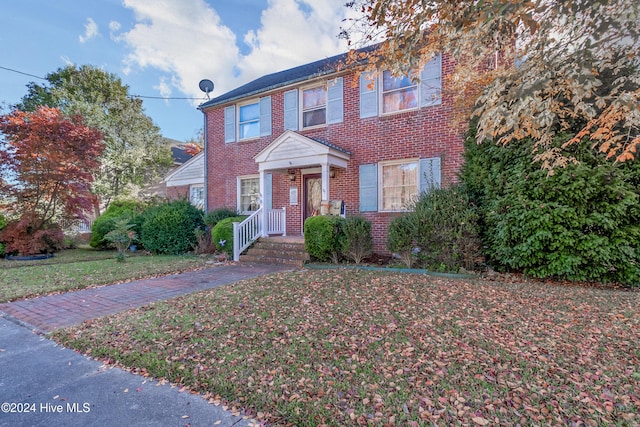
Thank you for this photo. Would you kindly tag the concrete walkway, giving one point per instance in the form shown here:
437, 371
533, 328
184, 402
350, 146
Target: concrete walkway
44, 384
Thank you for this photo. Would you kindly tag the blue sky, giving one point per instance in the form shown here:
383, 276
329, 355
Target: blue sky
163, 48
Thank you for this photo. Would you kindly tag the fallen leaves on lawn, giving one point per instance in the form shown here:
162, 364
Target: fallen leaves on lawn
348, 347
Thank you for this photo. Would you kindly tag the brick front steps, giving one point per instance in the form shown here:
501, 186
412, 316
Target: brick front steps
277, 250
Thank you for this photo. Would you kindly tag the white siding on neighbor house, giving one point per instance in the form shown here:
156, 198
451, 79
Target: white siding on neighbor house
191, 172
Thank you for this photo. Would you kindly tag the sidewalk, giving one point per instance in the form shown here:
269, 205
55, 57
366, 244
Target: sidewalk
44, 384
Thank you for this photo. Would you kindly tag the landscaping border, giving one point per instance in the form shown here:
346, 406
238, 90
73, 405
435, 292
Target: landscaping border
319, 266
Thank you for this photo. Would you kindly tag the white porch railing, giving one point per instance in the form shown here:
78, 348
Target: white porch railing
277, 221
248, 231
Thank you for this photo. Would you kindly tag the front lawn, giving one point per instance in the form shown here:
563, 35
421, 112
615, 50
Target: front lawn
350, 347
82, 268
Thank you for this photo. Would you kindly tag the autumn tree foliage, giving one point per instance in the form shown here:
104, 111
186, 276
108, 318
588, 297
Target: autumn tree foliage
47, 161
527, 69
135, 153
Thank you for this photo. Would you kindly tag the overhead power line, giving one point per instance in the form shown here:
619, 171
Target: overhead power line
129, 96
20, 72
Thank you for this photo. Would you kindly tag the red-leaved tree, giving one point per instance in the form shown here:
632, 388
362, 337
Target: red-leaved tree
46, 166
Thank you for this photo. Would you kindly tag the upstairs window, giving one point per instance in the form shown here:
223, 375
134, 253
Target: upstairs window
398, 93
314, 107
249, 121
382, 93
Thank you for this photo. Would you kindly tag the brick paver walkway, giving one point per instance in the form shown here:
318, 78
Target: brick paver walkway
48, 313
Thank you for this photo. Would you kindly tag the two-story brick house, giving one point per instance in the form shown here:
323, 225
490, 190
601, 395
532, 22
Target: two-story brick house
290, 140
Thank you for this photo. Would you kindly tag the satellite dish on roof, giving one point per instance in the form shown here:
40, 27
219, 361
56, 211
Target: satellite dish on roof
206, 86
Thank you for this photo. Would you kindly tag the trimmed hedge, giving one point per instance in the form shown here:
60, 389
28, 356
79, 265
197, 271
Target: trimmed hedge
170, 228
322, 237
222, 234
213, 217
130, 209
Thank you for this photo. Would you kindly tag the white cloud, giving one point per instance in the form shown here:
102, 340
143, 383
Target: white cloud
114, 27
294, 32
90, 31
163, 88
189, 41
184, 39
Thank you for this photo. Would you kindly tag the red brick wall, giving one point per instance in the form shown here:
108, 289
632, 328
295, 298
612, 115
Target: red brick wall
422, 133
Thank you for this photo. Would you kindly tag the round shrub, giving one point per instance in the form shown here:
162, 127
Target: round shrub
170, 228
130, 209
322, 237
213, 217
222, 234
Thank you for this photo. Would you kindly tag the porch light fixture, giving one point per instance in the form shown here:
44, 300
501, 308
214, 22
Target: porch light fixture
292, 176
332, 173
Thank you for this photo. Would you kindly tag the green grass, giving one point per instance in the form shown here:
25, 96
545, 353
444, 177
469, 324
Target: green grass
83, 268
351, 347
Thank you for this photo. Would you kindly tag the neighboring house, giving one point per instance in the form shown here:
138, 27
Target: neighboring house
187, 181
290, 140
180, 156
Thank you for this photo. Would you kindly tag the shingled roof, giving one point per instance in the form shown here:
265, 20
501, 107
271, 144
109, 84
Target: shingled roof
281, 79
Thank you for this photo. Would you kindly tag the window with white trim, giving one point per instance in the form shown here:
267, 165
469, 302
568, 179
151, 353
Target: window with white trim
248, 194
196, 196
398, 185
314, 106
398, 93
382, 93
249, 120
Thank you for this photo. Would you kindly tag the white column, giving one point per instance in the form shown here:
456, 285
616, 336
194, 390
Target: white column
265, 214
325, 181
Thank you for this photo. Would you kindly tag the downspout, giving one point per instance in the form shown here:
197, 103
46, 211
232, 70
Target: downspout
206, 162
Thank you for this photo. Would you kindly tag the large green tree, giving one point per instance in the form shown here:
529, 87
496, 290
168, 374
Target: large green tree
525, 68
135, 153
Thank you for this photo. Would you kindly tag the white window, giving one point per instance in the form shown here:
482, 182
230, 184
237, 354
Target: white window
398, 93
386, 94
248, 194
196, 196
314, 106
249, 120
398, 186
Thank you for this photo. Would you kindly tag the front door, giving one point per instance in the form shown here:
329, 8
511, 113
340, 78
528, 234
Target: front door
312, 195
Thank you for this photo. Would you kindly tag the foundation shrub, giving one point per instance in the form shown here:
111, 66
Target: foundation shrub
579, 223
169, 228
222, 234
323, 235
357, 242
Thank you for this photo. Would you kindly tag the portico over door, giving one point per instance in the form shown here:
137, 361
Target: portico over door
294, 151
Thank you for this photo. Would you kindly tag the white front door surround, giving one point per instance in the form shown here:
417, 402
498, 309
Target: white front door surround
294, 151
